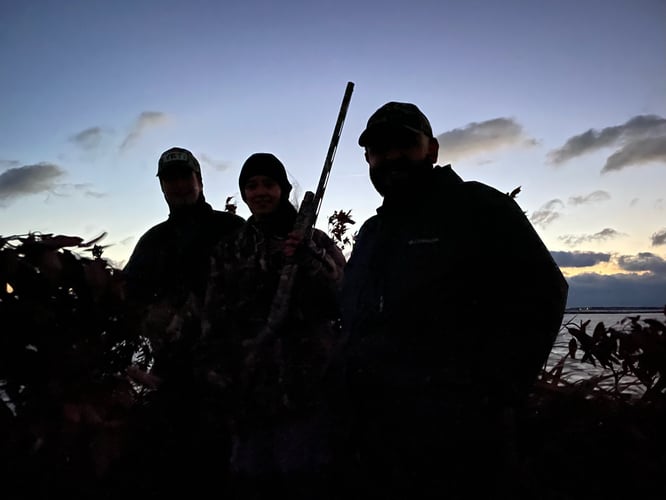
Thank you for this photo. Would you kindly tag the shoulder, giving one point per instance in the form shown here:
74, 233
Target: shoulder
473, 192
368, 227
154, 233
228, 218
484, 193
478, 197
148, 243
224, 223
239, 239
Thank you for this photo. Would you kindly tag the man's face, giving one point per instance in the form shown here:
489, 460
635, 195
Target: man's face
181, 187
396, 155
262, 195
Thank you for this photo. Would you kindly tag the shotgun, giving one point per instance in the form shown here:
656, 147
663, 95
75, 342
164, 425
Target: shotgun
304, 224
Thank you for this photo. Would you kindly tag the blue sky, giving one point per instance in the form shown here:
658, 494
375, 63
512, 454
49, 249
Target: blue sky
566, 99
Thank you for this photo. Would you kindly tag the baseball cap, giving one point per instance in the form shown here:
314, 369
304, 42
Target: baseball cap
395, 115
177, 158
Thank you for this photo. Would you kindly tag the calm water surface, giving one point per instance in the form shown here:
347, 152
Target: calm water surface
574, 369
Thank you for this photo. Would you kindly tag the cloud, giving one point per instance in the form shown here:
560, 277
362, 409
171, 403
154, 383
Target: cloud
29, 179
579, 259
88, 139
547, 213
593, 197
217, 165
659, 238
87, 191
652, 149
643, 285
603, 235
145, 121
9, 163
481, 137
642, 139
638, 127
617, 290
644, 261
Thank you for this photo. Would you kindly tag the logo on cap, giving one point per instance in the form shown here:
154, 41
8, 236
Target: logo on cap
175, 158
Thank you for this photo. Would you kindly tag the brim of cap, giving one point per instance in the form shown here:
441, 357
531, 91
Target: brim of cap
175, 167
371, 133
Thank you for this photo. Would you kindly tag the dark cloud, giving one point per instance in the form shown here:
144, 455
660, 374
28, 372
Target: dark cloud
9, 163
88, 139
579, 259
145, 121
481, 137
641, 139
617, 290
644, 261
547, 213
573, 240
659, 238
652, 149
29, 179
634, 130
593, 197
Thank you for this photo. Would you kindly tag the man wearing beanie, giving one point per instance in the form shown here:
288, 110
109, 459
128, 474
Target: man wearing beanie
166, 278
451, 303
281, 406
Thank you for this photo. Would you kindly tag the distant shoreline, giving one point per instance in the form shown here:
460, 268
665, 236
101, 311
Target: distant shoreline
613, 310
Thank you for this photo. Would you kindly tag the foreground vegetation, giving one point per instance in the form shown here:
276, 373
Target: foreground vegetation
69, 351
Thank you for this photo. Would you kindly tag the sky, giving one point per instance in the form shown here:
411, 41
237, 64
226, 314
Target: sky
566, 100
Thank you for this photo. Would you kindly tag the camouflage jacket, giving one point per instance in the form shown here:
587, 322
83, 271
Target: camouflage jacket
285, 373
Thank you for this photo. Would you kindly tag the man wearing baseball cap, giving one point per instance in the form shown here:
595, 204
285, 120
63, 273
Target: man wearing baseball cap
166, 278
451, 303
171, 259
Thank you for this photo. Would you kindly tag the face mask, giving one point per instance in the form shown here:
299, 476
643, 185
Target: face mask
391, 177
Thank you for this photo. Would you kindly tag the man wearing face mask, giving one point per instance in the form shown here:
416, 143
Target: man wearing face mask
451, 304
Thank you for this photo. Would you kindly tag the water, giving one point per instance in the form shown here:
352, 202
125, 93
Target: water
574, 369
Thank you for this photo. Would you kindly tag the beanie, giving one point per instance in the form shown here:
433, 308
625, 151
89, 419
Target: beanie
264, 164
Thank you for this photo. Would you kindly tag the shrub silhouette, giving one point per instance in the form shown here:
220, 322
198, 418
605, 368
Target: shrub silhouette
64, 348
68, 339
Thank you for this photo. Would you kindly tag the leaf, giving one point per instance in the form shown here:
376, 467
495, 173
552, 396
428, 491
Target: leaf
61, 241
93, 241
573, 347
599, 332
